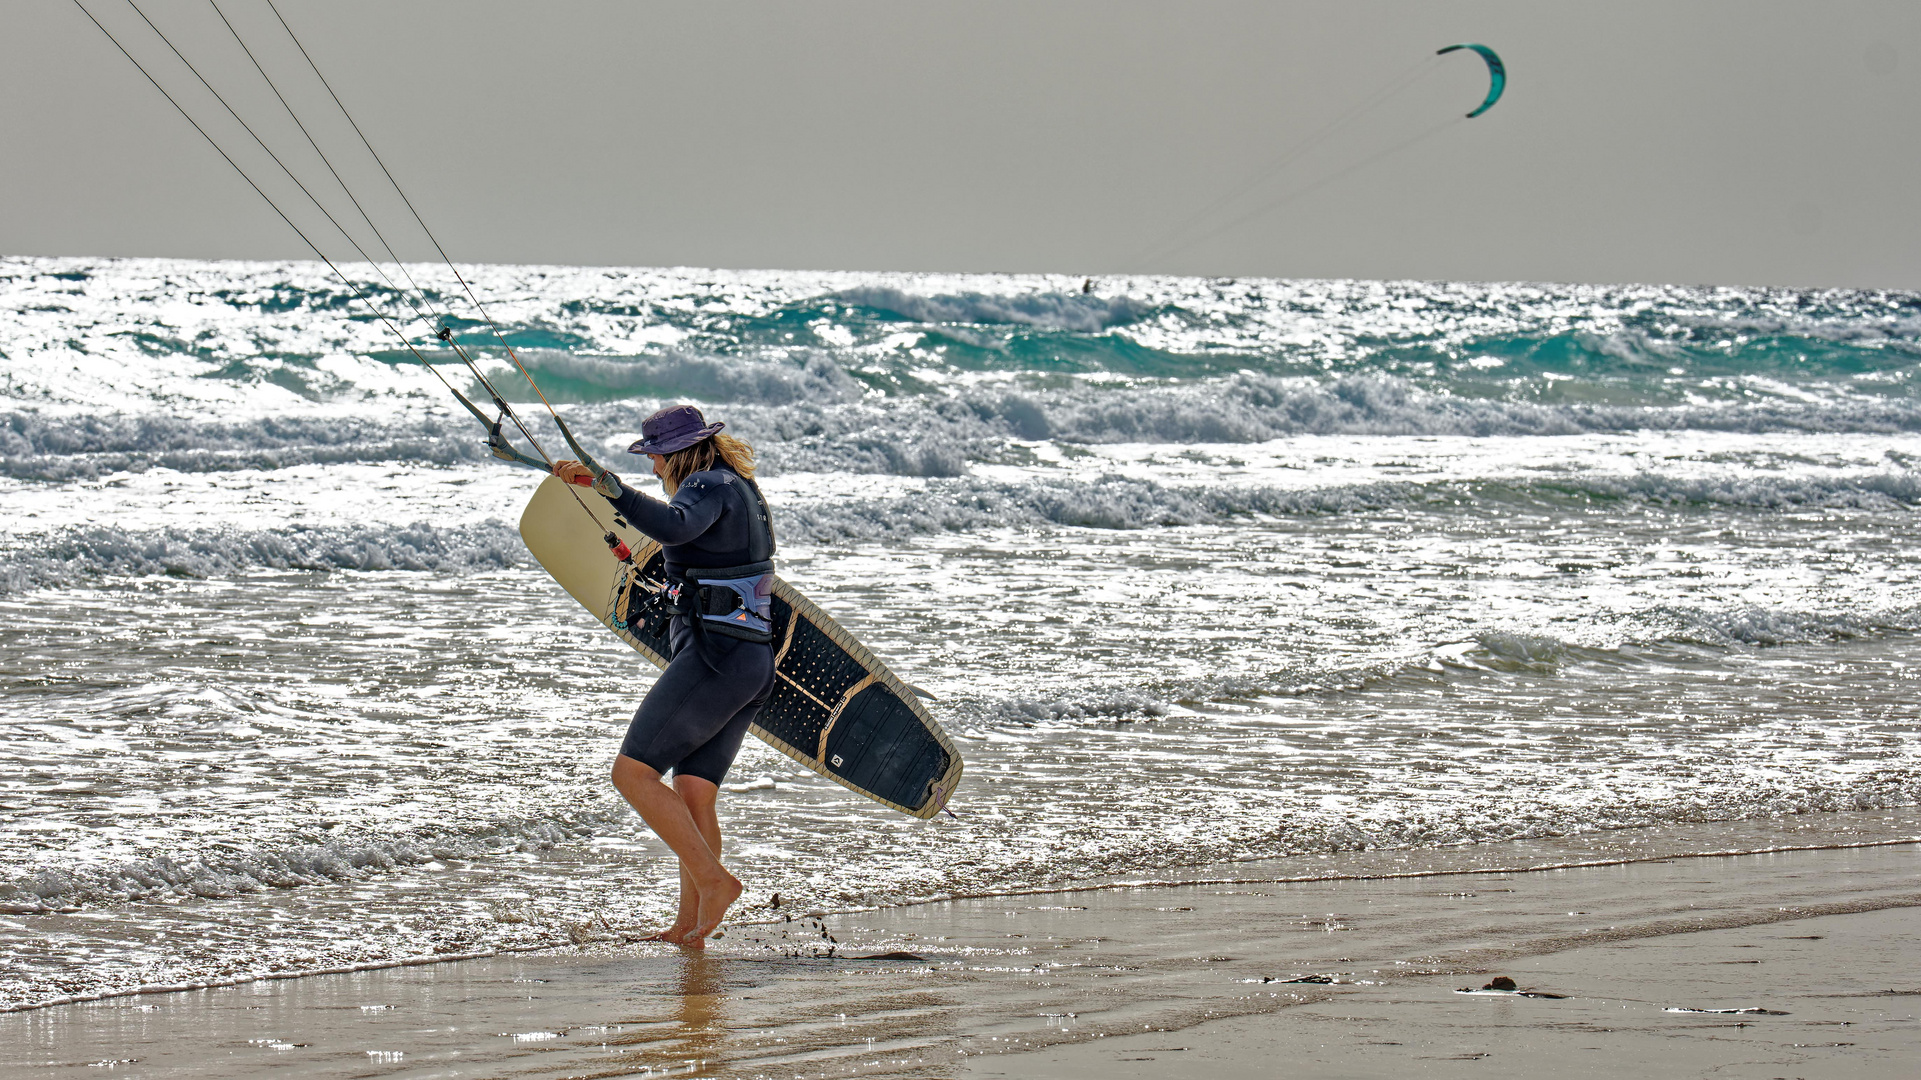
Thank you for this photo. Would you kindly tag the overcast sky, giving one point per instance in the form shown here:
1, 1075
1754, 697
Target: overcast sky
1736, 142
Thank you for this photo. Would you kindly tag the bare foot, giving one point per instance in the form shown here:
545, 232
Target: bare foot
715, 899
673, 935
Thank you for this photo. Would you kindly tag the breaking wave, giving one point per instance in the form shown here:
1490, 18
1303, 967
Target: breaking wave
941, 505
56, 447
1078, 312
830, 426
1647, 640
212, 553
811, 379
1252, 407
1765, 627
222, 875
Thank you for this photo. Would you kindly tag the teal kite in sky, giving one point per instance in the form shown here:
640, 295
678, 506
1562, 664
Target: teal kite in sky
1496, 74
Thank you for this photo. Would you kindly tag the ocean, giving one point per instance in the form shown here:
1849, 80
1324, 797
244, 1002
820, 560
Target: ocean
1197, 571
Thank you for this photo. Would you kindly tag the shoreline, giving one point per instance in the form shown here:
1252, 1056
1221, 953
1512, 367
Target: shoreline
1906, 820
960, 983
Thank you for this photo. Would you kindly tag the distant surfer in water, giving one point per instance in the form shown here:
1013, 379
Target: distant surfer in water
718, 543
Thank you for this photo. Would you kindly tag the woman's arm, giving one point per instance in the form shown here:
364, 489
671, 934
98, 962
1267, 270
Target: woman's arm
691, 512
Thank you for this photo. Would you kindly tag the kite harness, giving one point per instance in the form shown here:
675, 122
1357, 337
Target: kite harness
737, 601
734, 600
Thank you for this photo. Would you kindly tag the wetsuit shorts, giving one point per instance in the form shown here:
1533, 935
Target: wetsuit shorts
694, 718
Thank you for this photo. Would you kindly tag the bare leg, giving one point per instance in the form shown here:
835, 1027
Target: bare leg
688, 915
667, 813
700, 796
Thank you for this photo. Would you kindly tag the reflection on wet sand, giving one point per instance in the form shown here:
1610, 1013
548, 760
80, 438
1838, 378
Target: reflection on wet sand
718, 1016
690, 1033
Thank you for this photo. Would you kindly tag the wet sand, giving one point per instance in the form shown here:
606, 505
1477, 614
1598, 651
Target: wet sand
1829, 996
1240, 976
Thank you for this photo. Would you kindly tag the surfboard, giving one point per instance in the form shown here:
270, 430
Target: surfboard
836, 708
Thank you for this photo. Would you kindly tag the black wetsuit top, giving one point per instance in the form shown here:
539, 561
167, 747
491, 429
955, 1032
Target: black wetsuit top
708, 524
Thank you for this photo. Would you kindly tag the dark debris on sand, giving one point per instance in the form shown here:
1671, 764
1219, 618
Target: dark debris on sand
1501, 984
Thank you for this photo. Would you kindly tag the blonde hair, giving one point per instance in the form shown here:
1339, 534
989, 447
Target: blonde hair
720, 447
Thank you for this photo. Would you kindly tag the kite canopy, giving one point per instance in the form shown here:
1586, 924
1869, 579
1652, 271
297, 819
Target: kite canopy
1496, 74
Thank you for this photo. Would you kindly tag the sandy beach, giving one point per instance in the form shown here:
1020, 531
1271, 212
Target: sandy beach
1791, 963
1832, 995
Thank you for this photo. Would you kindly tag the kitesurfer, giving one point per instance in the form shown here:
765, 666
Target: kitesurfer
717, 542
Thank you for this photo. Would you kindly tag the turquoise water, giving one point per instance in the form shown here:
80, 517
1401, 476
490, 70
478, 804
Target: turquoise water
1198, 569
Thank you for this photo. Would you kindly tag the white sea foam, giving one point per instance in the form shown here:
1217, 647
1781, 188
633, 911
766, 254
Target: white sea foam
473, 539
225, 874
209, 553
1196, 570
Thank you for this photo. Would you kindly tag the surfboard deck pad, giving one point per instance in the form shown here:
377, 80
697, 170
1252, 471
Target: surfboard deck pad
836, 708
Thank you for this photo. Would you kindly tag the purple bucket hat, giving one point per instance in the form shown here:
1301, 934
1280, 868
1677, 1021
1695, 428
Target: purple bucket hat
676, 427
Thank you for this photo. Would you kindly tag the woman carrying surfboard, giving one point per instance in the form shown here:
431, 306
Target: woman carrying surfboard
718, 544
